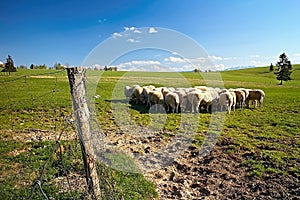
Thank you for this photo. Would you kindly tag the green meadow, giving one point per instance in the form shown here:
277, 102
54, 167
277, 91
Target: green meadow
34, 103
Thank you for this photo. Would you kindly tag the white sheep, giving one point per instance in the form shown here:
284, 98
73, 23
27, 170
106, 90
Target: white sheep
214, 93
194, 98
233, 100
206, 100
172, 102
137, 93
155, 98
226, 100
145, 94
202, 88
181, 93
128, 92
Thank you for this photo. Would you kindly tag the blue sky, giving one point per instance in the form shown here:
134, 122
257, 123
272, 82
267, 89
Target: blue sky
233, 33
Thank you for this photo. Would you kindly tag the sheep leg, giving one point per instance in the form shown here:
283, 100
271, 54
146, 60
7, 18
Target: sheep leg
261, 102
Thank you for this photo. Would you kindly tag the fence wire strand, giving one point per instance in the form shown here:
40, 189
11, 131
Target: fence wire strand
33, 117
42, 156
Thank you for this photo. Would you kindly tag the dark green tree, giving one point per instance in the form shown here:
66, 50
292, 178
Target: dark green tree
58, 66
271, 68
9, 65
284, 69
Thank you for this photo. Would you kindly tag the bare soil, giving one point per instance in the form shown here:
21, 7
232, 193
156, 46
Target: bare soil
218, 175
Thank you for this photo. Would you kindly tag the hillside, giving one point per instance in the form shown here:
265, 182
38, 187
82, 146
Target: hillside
256, 154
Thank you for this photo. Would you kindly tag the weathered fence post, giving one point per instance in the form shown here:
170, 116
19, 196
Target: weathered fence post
82, 115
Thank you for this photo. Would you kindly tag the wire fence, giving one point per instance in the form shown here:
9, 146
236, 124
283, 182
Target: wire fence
41, 150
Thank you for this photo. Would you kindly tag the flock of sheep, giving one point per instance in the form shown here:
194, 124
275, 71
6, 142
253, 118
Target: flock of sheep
195, 99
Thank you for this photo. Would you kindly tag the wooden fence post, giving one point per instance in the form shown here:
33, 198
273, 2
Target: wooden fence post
82, 115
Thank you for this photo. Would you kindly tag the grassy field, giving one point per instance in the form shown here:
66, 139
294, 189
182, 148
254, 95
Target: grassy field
34, 103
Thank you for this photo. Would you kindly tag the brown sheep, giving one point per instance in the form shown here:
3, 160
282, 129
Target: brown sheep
255, 95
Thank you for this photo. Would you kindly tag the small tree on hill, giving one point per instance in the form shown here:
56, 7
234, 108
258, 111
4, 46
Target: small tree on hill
284, 69
9, 65
271, 68
58, 66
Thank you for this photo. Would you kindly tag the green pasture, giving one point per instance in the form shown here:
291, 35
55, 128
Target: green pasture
268, 138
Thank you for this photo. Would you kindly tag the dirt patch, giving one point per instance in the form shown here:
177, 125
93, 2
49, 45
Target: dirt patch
40, 76
35, 135
219, 175
71, 183
16, 152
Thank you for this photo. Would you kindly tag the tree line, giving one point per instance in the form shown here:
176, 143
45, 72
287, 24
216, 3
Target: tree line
282, 72
10, 67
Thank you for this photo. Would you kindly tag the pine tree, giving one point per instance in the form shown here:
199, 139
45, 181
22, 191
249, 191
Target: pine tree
9, 65
271, 67
284, 69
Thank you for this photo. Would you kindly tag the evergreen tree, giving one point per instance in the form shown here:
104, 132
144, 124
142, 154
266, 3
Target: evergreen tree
284, 69
9, 65
271, 67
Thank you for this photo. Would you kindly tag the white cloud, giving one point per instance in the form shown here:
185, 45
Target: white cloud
129, 28
220, 67
140, 65
215, 57
131, 40
152, 30
296, 55
137, 31
256, 62
230, 58
255, 56
174, 59
115, 35
295, 58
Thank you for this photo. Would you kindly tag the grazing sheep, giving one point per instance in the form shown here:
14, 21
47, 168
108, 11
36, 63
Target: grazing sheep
137, 93
171, 99
128, 92
202, 88
255, 95
206, 100
145, 94
151, 87
240, 97
233, 100
215, 99
246, 92
226, 100
180, 94
165, 91
194, 98
172, 102
155, 98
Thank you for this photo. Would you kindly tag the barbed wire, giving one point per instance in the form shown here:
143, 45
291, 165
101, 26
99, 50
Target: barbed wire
45, 154
60, 119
